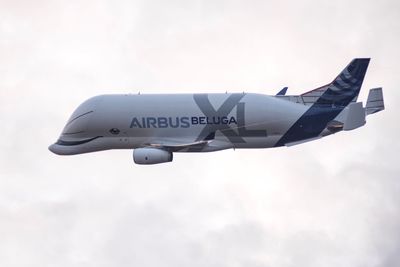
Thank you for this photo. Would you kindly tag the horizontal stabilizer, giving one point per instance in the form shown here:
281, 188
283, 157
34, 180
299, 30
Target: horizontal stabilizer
355, 116
312, 96
375, 101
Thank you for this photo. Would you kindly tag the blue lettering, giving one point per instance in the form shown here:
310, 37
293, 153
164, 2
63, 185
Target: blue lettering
176, 122
151, 122
216, 120
162, 122
232, 120
135, 123
171, 122
185, 122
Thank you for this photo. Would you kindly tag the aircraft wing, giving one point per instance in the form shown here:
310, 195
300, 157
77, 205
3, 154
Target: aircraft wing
174, 145
171, 144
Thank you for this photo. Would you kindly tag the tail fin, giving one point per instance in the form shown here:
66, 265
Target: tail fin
343, 89
283, 91
327, 102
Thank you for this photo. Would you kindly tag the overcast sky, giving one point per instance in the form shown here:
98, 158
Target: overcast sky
332, 202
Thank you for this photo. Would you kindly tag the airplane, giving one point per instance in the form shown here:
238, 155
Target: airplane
157, 125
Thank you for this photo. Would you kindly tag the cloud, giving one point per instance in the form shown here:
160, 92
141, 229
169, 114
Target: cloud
330, 202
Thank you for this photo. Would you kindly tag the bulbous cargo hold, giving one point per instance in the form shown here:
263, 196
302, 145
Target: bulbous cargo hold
157, 125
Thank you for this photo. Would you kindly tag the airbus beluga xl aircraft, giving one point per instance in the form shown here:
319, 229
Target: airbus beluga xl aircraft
157, 125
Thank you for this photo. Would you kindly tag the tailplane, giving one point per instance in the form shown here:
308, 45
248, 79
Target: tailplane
375, 101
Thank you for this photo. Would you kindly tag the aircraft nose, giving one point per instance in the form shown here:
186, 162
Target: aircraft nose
75, 129
79, 119
63, 150
53, 148
78, 123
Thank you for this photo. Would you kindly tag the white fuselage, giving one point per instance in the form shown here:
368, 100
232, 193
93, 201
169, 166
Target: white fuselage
157, 125
130, 121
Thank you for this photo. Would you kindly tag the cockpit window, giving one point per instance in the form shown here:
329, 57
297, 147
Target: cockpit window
77, 117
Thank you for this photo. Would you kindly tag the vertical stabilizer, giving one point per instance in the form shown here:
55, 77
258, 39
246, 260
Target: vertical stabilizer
329, 101
346, 86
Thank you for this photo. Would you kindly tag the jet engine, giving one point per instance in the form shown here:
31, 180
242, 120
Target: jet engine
151, 155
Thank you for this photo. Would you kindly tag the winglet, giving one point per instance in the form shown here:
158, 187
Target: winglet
283, 91
209, 137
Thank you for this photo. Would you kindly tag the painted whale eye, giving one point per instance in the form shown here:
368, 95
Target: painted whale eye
114, 131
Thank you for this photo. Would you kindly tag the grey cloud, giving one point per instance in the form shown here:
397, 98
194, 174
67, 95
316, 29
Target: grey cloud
326, 203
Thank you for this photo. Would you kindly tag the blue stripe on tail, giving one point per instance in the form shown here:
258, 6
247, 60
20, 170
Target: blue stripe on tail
339, 94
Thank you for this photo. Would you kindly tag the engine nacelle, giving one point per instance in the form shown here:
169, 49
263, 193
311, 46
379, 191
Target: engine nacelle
151, 155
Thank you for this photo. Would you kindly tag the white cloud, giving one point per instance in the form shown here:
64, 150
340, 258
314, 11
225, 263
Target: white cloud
330, 202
